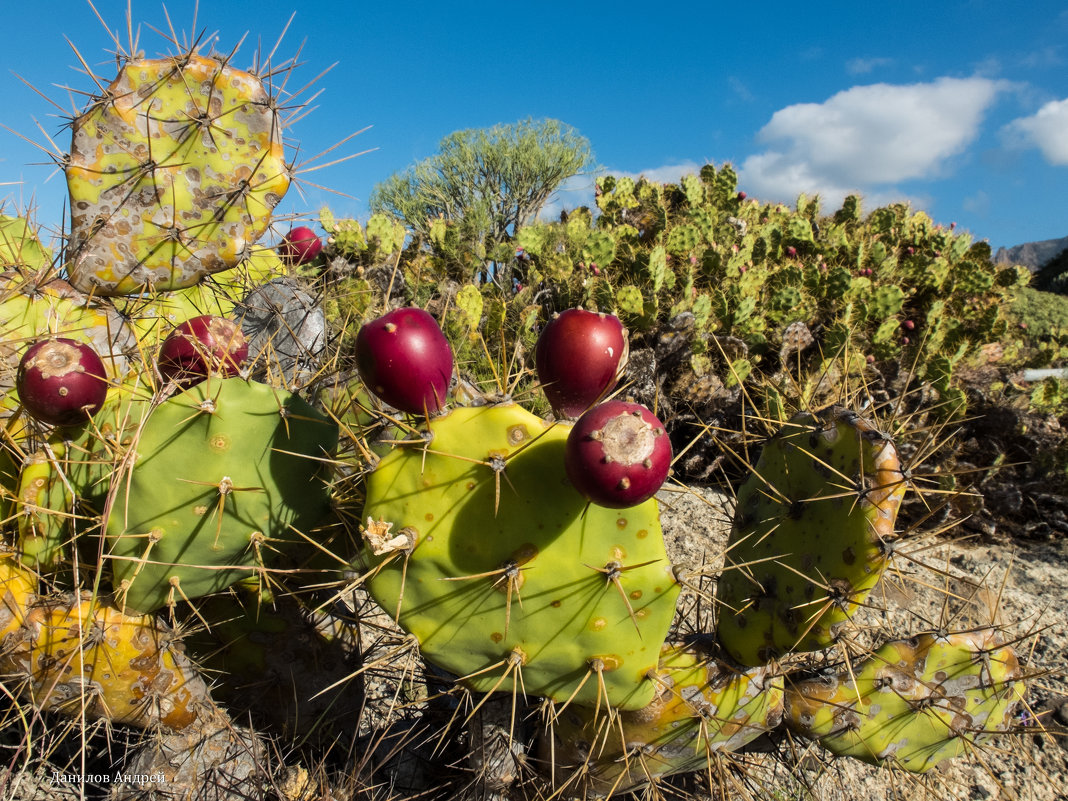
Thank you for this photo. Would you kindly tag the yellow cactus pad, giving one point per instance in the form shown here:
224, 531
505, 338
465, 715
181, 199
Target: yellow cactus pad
915, 702
74, 653
703, 706
41, 305
18, 588
173, 175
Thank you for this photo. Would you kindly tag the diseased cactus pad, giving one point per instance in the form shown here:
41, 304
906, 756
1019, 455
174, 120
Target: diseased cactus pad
173, 175
914, 702
81, 656
703, 705
506, 572
807, 542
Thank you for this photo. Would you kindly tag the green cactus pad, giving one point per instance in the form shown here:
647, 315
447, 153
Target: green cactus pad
506, 573
20, 245
703, 706
226, 475
807, 541
915, 702
172, 175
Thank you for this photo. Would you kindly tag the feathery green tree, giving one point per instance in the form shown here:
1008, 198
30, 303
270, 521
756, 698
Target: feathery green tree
485, 183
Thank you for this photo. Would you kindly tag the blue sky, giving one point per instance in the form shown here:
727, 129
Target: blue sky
959, 107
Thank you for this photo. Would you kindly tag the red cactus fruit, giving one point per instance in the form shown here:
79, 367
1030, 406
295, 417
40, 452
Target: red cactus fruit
618, 454
404, 359
300, 246
61, 382
908, 325
578, 358
202, 346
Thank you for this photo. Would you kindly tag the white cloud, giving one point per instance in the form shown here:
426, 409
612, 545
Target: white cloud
665, 174
1046, 129
740, 90
861, 66
867, 138
573, 192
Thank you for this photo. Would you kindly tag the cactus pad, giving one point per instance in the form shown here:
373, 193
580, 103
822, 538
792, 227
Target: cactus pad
807, 541
79, 656
18, 587
506, 572
227, 475
703, 706
173, 174
915, 702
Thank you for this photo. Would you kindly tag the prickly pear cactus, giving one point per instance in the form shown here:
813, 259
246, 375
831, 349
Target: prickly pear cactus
809, 536
913, 703
81, 656
225, 477
505, 574
45, 507
173, 175
38, 304
703, 705
20, 245
18, 588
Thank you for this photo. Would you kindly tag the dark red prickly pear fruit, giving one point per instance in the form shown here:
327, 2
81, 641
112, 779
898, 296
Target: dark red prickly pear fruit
404, 359
202, 346
61, 382
618, 454
908, 325
742, 196
300, 246
578, 358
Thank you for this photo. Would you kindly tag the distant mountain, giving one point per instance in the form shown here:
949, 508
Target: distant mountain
1032, 254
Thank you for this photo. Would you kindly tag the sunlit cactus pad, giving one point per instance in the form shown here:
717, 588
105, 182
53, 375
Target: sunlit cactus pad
20, 245
228, 476
79, 655
173, 174
809, 535
915, 702
703, 705
512, 575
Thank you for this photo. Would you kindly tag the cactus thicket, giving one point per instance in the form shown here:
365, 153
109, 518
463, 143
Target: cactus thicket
370, 585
